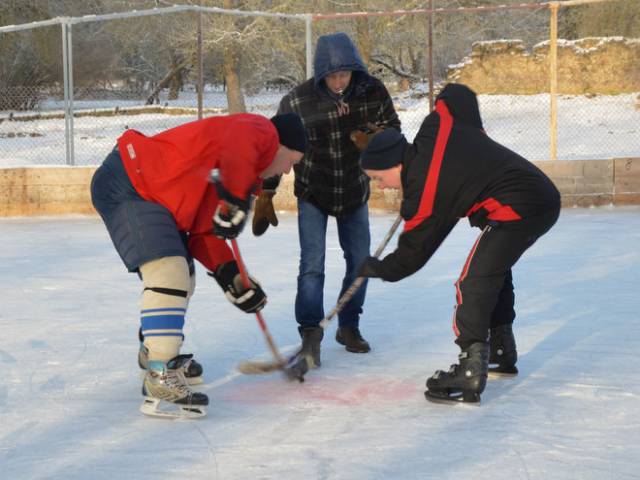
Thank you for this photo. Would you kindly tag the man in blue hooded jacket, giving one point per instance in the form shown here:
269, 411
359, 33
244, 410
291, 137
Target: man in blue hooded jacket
341, 98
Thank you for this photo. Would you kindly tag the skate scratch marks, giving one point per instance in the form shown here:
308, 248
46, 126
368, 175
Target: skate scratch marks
6, 357
336, 391
221, 381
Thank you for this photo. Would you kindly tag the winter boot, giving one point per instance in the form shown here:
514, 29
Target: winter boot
166, 383
463, 382
503, 354
311, 338
351, 338
192, 370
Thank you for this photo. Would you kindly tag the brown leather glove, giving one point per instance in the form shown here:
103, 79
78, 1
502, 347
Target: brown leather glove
363, 136
264, 213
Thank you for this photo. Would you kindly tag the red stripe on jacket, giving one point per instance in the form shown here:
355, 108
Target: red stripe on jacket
431, 183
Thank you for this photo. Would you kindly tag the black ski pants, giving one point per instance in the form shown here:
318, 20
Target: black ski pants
484, 291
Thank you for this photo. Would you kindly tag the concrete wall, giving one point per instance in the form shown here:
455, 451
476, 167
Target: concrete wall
65, 190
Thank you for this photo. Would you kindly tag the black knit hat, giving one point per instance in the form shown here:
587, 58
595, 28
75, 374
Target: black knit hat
385, 150
291, 131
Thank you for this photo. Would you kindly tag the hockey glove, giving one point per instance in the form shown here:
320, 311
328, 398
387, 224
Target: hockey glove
228, 220
264, 213
248, 300
370, 268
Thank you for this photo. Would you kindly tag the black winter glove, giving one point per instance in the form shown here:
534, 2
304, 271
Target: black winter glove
370, 268
264, 213
248, 300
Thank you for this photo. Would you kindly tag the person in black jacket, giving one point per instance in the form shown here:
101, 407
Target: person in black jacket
454, 170
340, 98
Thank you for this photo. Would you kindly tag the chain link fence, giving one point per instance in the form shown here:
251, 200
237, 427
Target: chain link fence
154, 71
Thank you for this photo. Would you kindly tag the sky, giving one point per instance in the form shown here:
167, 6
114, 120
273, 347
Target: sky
70, 385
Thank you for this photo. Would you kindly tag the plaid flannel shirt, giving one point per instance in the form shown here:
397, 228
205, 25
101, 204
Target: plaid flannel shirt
329, 175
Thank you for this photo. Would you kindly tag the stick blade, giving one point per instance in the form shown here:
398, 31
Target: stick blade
258, 368
294, 369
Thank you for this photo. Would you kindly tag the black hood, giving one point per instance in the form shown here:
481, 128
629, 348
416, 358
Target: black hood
462, 103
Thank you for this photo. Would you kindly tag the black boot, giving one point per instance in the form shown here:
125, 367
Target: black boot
351, 338
311, 338
463, 382
503, 354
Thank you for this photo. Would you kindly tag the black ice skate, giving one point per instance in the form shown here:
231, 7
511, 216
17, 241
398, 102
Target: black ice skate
503, 354
192, 370
167, 394
351, 338
463, 382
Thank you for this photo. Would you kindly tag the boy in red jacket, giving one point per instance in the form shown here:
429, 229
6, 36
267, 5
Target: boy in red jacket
454, 170
161, 209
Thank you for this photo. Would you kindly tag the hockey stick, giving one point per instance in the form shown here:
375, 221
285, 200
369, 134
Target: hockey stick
249, 368
350, 292
300, 363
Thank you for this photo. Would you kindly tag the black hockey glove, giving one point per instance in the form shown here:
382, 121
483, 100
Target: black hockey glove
228, 220
370, 268
230, 215
248, 300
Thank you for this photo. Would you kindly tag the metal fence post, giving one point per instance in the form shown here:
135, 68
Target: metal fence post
67, 74
309, 46
553, 79
200, 79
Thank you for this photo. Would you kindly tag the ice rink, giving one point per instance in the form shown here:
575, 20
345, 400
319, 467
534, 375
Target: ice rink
70, 385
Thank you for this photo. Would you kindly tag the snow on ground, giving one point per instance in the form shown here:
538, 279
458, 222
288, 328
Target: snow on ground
605, 126
70, 388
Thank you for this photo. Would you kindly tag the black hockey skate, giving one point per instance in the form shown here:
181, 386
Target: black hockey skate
167, 394
503, 354
463, 383
192, 370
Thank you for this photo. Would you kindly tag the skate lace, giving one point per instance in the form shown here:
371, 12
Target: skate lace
176, 381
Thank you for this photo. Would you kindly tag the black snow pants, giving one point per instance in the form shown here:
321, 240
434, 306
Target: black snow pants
484, 291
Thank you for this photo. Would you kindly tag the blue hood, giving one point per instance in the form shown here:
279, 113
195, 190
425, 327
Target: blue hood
333, 53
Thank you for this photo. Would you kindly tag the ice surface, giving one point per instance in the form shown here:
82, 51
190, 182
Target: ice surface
70, 386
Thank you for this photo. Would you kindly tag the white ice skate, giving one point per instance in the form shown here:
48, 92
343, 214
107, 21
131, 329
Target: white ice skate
167, 393
191, 369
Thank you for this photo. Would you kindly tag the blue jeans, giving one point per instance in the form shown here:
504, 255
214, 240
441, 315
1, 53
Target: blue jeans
353, 233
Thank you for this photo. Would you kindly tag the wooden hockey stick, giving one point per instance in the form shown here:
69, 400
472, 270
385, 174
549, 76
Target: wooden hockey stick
253, 368
350, 292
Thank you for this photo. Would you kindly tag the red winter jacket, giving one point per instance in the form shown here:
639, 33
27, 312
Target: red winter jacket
172, 168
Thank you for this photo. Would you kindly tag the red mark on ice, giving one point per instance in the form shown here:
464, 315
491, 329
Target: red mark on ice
337, 391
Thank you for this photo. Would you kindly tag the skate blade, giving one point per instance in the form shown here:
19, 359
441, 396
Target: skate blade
154, 407
453, 398
502, 372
